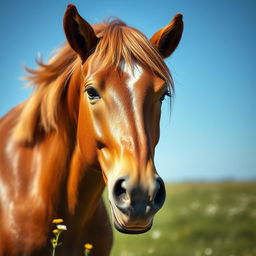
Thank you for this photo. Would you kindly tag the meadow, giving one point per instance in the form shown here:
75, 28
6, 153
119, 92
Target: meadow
199, 219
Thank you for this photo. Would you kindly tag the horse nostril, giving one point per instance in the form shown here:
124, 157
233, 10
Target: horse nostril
160, 194
120, 193
138, 201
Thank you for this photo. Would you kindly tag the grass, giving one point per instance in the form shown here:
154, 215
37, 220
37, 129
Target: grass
199, 219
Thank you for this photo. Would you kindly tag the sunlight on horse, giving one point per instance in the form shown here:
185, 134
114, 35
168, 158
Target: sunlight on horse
92, 120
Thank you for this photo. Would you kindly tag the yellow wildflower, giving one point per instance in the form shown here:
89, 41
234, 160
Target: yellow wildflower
88, 246
57, 221
55, 231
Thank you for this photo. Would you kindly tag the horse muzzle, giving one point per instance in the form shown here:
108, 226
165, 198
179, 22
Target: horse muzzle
134, 206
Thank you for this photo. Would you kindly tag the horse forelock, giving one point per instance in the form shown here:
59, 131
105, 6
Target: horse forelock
118, 43
121, 43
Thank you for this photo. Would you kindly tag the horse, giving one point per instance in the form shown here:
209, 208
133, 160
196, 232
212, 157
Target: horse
91, 121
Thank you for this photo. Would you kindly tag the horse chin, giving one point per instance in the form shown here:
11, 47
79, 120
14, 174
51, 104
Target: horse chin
130, 230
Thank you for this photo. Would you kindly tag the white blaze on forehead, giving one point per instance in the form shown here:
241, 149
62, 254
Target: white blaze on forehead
134, 73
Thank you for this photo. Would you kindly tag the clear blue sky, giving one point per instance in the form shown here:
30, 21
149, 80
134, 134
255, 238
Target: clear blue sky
211, 133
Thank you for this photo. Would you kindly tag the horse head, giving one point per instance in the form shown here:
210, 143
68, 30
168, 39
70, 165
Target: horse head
123, 83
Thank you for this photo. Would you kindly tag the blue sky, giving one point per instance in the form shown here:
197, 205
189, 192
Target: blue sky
210, 133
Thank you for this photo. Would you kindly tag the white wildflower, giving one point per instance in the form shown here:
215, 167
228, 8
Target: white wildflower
211, 209
208, 251
156, 234
61, 227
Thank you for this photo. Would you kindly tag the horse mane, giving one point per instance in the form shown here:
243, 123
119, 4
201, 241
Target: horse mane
118, 43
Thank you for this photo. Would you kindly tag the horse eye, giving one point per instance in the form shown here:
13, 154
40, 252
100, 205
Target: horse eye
167, 93
92, 93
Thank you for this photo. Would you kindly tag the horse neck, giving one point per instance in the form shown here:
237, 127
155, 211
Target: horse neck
55, 154
84, 187
67, 186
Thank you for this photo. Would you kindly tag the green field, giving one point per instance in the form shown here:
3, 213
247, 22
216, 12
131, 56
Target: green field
199, 219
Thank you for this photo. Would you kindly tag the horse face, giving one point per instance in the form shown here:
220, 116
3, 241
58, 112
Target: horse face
118, 122
124, 108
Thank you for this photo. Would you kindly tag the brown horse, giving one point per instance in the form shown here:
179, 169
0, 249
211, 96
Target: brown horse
92, 119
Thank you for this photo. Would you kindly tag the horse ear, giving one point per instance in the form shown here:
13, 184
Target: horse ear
79, 33
167, 39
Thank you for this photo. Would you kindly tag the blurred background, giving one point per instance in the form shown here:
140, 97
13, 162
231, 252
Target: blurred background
208, 136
